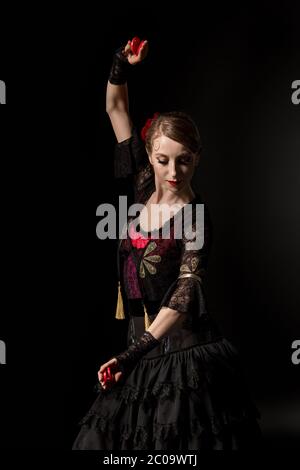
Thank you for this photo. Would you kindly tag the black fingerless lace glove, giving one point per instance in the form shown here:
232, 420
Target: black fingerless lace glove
119, 69
129, 358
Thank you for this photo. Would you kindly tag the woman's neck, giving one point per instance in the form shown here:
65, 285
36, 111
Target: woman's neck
161, 196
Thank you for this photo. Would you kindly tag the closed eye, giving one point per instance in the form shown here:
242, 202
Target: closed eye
181, 162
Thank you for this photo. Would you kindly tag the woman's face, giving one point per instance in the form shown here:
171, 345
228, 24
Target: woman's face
172, 163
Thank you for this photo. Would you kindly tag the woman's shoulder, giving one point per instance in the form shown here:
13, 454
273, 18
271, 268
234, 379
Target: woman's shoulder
200, 204
130, 155
196, 206
196, 219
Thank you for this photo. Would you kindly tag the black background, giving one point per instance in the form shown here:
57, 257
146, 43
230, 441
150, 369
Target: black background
231, 68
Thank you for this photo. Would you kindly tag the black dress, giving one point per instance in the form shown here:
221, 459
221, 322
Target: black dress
188, 393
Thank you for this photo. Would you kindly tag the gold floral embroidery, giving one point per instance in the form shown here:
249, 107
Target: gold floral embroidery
184, 268
150, 247
148, 259
194, 263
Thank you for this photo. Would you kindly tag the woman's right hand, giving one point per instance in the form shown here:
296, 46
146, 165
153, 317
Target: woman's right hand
133, 58
117, 375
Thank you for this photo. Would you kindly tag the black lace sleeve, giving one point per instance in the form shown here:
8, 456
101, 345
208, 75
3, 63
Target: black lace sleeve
131, 159
129, 358
186, 294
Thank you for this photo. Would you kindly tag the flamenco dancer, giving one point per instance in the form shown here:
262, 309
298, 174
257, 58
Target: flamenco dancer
179, 385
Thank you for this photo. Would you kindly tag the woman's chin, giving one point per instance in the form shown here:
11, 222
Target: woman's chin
174, 188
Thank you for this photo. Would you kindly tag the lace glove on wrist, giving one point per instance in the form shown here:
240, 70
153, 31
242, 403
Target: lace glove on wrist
129, 358
119, 69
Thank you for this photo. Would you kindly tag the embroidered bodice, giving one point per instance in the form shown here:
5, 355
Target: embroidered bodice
150, 264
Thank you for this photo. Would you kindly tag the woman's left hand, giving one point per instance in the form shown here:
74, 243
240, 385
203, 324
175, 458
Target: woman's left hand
116, 375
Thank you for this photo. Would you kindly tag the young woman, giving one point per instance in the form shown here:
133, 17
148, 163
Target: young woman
178, 385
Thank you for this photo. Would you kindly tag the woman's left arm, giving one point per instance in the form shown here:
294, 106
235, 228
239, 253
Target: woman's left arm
178, 302
166, 320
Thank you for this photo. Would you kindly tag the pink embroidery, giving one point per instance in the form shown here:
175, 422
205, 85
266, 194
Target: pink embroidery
131, 280
137, 239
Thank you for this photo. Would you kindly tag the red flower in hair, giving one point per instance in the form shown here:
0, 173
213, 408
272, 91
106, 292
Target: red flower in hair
147, 125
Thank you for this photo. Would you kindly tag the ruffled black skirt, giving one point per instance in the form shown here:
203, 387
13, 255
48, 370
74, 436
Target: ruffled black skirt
190, 399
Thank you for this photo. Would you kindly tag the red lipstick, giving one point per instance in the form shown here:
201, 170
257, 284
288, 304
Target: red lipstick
174, 183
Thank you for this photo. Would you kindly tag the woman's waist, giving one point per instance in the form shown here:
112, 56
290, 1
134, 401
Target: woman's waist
177, 339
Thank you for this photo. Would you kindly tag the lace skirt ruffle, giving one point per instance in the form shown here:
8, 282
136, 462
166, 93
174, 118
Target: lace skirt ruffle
187, 400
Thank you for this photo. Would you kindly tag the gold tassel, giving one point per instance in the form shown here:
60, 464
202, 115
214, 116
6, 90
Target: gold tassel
147, 319
120, 307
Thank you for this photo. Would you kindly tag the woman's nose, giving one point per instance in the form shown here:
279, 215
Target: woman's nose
173, 170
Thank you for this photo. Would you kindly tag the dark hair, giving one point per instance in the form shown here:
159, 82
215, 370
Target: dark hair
177, 126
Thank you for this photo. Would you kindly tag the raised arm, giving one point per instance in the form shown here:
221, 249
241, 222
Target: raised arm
117, 103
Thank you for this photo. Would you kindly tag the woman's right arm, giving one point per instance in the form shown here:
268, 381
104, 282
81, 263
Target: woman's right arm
118, 110
117, 103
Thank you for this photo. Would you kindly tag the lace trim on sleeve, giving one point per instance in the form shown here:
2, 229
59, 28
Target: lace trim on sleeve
187, 295
131, 159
